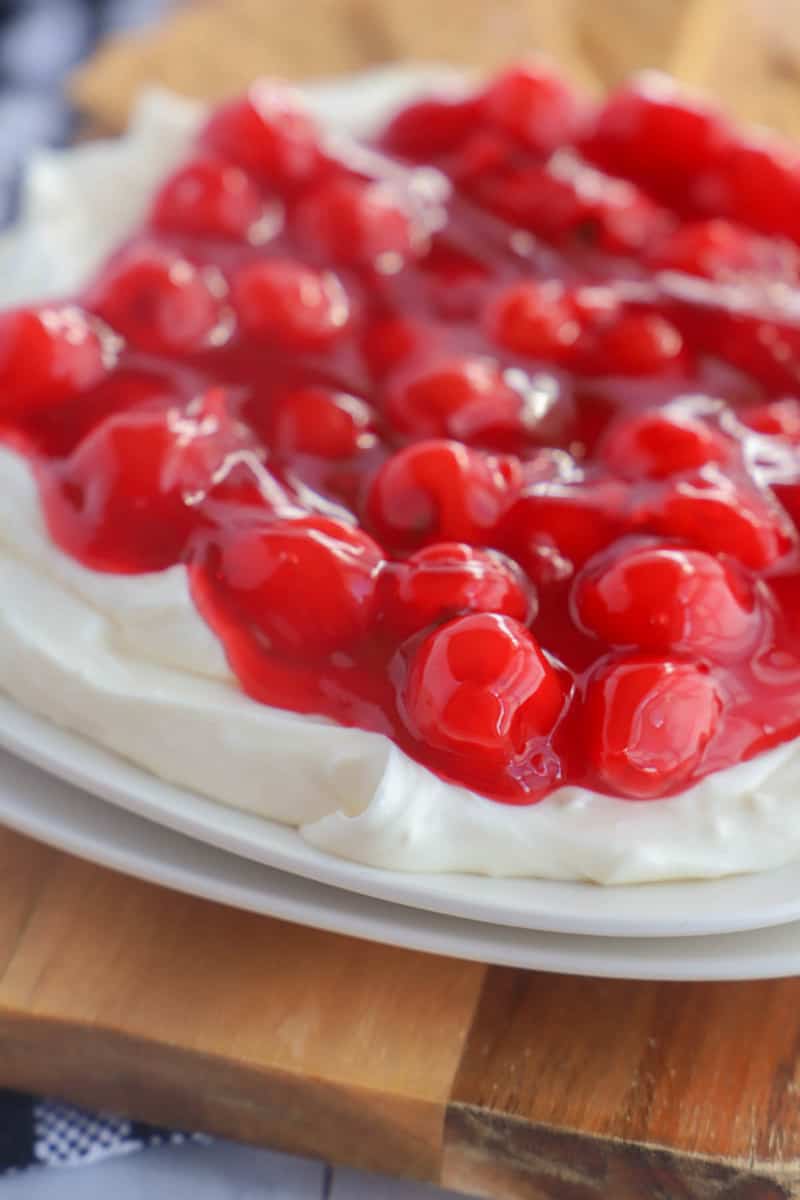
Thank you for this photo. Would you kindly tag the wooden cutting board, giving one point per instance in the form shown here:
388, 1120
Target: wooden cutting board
499, 1083
118, 994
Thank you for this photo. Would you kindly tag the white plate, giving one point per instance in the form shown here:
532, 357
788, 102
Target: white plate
658, 910
642, 910
48, 809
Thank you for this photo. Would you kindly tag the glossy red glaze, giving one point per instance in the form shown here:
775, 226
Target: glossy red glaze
210, 197
50, 356
648, 722
356, 222
668, 599
289, 304
447, 578
315, 420
160, 301
481, 685
268, 133
469, 399
661, 442
498, 457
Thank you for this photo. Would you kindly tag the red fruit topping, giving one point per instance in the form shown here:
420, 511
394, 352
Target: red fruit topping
650, 130
637, 344
132, 487
390, 341
285, 302
662, 442
710, 512
481, 686
549, 356
438, 491
534, 104
534, 319
208, 197
485, 159
307, 586
756, 182
469, 399
267, 133
665, 599
49, 355
648, 721
446, 579
565, 200
316, 420
122, 390
159, 301
352, 221
779, 419
554, 527
719, 249
431, 127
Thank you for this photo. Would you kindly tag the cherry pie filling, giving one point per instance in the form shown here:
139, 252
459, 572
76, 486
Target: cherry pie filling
485, 436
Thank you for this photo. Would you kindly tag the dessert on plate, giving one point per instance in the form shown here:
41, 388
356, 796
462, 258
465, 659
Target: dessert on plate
433, 490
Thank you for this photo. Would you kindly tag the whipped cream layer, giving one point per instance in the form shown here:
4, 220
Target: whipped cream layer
128, 662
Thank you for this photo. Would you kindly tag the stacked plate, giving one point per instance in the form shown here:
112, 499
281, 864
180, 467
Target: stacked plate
62, 790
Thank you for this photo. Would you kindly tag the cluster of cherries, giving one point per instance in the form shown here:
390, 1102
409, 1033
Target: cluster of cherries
485, 436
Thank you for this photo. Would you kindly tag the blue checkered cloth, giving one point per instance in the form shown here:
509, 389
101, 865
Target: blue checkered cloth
40, 42
47, 1133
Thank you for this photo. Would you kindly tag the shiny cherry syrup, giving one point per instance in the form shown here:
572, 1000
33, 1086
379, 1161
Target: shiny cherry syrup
485, 436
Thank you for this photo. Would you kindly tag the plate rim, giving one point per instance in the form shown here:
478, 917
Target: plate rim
287, 897
78, 761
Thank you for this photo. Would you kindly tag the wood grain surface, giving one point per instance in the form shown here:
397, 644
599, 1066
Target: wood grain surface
506, 1084
212, 1018
498, 1083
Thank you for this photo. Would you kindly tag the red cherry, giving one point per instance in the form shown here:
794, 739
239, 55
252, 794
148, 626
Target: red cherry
129, 492
485, 157
468, 399
623, 220
208, 197
480, 686
391, 341
664, 599
554, 527
284, 301
534, 104
158, 300
750, 328
316, 420
648, 722
779, 418
50, 355
651, 130
661, 442
357, 222
307, 585
708, 511
438, 491
719, 249
569, 203
534, 318
448, 578
756, 182
268, 133
126, 389
637, 344
430, 127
